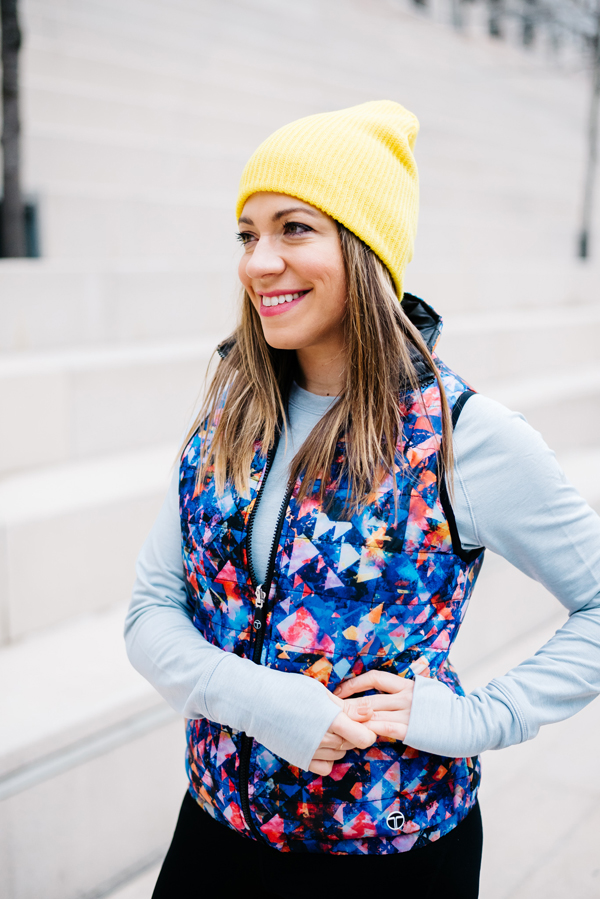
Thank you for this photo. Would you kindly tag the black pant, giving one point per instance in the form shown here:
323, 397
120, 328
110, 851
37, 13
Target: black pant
206, 858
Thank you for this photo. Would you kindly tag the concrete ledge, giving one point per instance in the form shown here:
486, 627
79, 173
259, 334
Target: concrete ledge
104, 399
66, 302
27, 776
69, 536
558, 405
91, 401
500, 345
96, 823
72, 683
91, 763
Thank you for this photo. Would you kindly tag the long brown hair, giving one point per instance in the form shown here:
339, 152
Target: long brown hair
255, 379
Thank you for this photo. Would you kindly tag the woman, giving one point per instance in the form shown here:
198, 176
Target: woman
328, 519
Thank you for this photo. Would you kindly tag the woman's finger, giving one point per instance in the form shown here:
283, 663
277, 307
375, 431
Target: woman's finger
362, 709
334, 741
329, 754
394, 730
401, 717
355, 733
383, 681
320, 768
331, 741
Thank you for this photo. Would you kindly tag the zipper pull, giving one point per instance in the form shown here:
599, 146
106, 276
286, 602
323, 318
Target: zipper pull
260, 596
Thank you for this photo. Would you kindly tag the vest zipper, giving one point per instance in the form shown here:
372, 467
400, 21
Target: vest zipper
261, 593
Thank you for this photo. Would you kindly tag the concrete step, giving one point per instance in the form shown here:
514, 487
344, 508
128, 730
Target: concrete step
559, 406
95, 401
158, 40
176, 226
50, 304
88, 161
490, 347
138, 887
517, 285
91, 763
105, 399
77, 529
544, 365
63, 109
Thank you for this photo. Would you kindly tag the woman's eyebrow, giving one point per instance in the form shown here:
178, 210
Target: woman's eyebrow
246, 221
283, 212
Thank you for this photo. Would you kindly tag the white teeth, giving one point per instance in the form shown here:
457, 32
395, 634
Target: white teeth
282, 298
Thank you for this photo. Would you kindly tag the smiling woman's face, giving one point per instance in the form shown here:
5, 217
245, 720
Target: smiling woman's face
293, 270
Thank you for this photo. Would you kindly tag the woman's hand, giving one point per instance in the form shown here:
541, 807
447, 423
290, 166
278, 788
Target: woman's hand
388, 712
363, 719
344, 733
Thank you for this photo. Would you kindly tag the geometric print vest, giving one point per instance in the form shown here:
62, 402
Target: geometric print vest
386, 589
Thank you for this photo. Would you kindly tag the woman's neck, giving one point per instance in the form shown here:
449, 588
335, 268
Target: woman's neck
321, 371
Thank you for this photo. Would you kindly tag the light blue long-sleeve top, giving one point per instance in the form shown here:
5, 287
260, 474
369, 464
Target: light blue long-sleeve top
509, 495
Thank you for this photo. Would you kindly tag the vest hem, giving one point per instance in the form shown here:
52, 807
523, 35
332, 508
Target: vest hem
374, 845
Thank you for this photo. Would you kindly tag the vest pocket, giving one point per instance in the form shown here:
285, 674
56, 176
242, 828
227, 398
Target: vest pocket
212, 762
435, 802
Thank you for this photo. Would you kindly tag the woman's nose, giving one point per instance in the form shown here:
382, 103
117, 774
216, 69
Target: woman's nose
264, 260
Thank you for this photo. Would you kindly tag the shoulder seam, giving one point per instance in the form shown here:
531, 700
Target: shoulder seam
459, 405
465, 555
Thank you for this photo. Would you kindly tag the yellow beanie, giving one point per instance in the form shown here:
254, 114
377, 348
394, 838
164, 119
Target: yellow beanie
357, 166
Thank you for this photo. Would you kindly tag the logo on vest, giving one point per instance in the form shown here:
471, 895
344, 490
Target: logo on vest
395, 821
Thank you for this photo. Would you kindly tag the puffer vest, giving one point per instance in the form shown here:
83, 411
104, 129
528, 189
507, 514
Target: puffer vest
386, 589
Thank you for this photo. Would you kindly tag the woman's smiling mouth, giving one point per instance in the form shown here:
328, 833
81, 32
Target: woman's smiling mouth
276, 301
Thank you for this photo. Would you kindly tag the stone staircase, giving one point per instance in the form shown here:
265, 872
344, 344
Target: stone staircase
138, 119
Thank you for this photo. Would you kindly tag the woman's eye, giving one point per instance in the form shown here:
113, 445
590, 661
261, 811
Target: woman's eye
244, 237
296, 228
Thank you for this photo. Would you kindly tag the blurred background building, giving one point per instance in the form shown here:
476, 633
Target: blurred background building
137, 118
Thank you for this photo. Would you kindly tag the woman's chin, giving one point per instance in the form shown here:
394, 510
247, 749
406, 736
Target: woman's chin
279, 340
